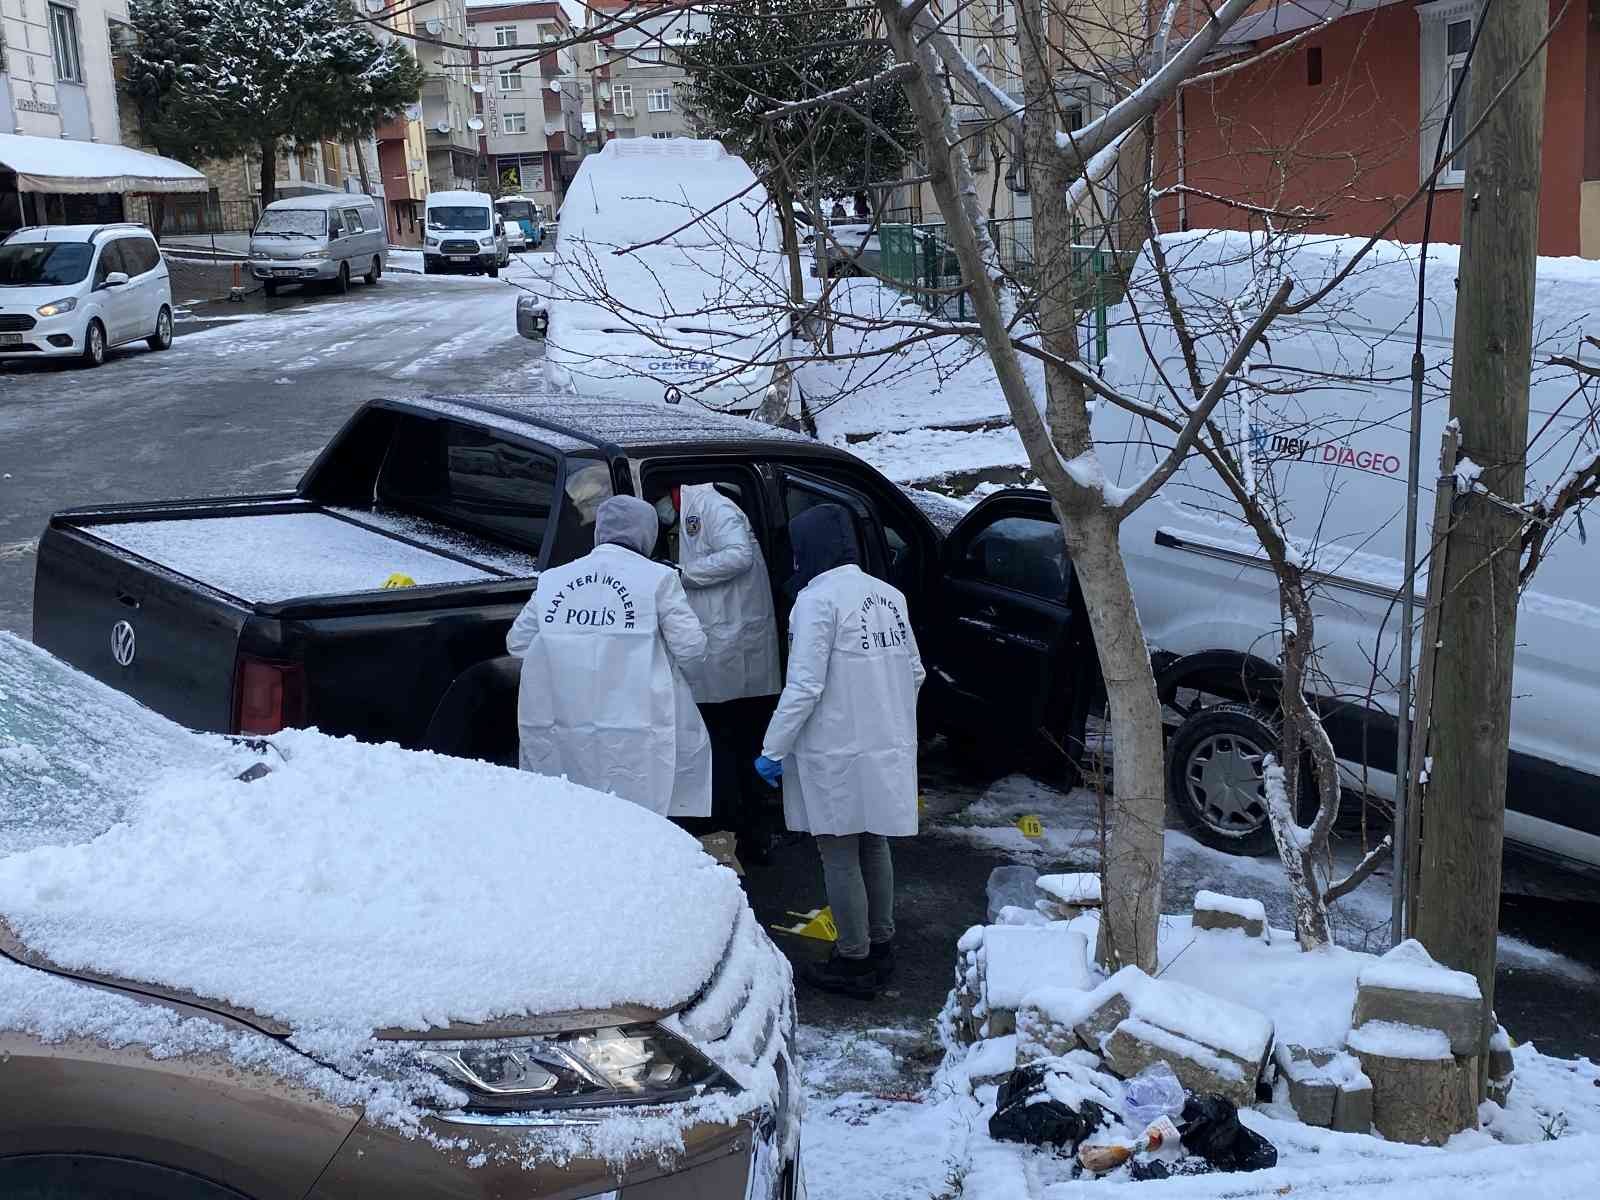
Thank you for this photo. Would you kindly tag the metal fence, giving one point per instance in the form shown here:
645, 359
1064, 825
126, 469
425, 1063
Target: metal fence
920, 258
188, 215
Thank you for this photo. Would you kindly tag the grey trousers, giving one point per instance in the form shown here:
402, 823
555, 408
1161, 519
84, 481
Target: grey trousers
859, 876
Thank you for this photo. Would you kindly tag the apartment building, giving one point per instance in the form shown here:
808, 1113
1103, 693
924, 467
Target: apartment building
442, 42
633, 83
528, 98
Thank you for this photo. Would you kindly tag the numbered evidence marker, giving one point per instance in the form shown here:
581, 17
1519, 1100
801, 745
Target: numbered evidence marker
1031, 826
818, 923
398, 580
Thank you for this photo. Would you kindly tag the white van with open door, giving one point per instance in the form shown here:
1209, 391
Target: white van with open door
1323, 416
668, 280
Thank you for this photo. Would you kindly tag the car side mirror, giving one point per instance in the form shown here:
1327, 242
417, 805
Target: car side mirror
115, 279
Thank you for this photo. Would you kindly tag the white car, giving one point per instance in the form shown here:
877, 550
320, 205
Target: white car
78, 290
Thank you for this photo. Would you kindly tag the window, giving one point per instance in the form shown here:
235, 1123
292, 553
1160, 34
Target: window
516, 122
1446, 37
64, 42
644, 54
511, 81
352, 220
469, 477
110, 261
505, 35
1314, 66
661, 133
622, 98
31, 264
659, 99
1021, 553
138, 255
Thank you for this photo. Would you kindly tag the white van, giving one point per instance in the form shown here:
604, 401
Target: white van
327, 237
699, 313
463, 234
1328, 418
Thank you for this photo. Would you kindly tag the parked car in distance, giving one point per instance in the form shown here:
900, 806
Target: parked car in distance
462, 234
323, 238
524, 220
252, 614
445, 1030
846, 249
77, 290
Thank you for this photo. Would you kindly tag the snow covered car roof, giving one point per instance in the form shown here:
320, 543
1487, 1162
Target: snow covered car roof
349, 888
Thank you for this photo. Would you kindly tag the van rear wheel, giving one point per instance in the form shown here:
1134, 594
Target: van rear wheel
371, 276
1216, 764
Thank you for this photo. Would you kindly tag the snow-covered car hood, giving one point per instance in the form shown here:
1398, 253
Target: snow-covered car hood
350, 888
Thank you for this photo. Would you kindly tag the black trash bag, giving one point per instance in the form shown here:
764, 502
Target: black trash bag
1044, 1122
1210, 1128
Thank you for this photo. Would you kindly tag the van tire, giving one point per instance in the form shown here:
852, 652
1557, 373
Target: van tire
270, 288
494, 272
342, 283
1215, 760
161, 339
371, 277
94, 344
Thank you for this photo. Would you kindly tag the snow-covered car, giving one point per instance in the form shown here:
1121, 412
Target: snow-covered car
846, 249
668, 282
313, 967
75, 291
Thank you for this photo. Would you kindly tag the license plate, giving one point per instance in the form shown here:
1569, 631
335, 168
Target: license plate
461, 258
285, 272
10, 339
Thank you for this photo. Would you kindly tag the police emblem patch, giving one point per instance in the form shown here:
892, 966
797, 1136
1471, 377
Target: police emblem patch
692, 526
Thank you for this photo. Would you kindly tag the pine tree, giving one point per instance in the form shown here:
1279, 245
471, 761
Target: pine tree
759, 53
214, 78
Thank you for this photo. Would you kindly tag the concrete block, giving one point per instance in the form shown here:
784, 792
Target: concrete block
1422, 1101
1352, 1108
1214, 911
1460, 1019
1312, 1092
1135, 1045
1093, 1029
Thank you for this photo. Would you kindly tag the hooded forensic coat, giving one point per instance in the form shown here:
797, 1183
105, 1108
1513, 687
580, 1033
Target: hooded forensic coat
725, 577
603, 700
846, 723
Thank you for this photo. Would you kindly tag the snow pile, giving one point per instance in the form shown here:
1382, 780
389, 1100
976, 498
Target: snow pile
1393, 1040
1081, 888
1410, 968
360, 887
1246, 909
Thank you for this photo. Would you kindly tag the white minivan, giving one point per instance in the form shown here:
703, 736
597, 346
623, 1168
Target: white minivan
74, 291
1325, 421
463, 233
327, 237
668, 280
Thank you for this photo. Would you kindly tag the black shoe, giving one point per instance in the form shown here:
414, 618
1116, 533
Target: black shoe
855, 977
882, 960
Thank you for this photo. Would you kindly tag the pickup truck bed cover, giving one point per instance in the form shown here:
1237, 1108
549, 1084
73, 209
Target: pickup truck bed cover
261, 559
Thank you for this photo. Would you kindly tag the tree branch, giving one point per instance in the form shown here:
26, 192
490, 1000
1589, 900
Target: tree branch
1375, 858
893, 75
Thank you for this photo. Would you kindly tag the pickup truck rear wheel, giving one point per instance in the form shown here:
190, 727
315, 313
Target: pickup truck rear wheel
1215, 764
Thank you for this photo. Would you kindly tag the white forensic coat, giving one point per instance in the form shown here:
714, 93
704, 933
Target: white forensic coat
846, 723
726, 579
603, 700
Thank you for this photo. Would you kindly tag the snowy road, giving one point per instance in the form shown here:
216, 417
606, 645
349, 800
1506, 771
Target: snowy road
237, 407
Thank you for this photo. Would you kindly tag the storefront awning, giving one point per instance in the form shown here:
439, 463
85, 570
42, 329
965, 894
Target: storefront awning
60, 165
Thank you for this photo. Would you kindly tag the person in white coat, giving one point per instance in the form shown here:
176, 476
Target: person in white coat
724, 574
604, 641
844, 740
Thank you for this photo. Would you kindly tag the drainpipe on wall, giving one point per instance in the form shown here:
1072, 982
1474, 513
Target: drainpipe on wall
1183, 197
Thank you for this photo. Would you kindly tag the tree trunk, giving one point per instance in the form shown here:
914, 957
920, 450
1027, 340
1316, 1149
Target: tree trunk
361, 166
269, 171
784, 199
1463, 820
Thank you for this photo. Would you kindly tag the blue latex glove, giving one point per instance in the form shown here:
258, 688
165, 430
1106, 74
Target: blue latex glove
769, 769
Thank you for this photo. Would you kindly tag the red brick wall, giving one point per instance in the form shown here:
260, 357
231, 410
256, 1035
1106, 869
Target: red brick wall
1347, 148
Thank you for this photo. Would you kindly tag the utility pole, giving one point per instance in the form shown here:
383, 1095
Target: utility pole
1463, 819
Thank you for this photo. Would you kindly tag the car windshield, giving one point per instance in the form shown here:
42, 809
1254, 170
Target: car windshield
517, 210
468, 217
37, 264
293, 222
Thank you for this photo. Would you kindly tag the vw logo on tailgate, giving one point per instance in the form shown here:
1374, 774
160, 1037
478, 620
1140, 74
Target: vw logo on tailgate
122, 643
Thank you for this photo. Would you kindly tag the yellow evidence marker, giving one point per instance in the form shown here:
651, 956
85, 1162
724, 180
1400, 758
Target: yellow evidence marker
1031, 826
399, 580
818, 923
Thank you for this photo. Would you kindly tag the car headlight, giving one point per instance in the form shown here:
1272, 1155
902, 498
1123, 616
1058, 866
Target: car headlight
433, 241
315, 254
56, 307
635, 1064
486, 243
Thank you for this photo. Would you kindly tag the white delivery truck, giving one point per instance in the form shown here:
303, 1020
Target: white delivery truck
1325, 419
668, 280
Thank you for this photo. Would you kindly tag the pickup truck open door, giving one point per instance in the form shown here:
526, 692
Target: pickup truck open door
1009, 654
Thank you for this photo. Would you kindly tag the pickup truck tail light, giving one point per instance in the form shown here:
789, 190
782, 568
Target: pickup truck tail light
268, 696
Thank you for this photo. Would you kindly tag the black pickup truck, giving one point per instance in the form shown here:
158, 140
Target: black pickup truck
374, 599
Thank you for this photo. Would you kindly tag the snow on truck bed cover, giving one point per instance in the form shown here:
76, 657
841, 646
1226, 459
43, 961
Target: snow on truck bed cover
354, 887
271, 557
